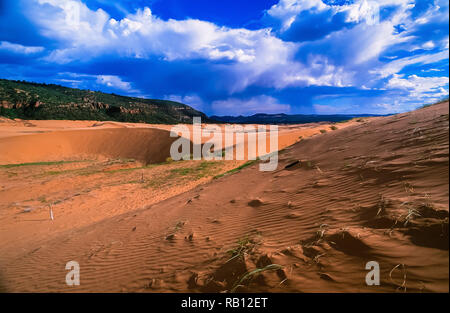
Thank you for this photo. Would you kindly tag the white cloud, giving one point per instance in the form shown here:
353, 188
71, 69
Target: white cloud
432, 70
397, 65
258, 104
358, 11
331, 109
347, 54
70, 21
445, 43
17, 48
428, 45
420, 87
366, 42
256, 55
417, 91
318, 71
415, 82
391, 107
142, 34
111, 81
287, 10
343, 57
114, 82
191, 100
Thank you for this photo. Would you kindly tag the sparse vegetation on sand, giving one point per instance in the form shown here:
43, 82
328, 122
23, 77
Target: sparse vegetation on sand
37, 164
244, 245
237, 169
249, 276
203, 169
430, 104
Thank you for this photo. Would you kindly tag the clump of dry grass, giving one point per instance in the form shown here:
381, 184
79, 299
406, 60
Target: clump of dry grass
249, 276
179, 225
244, 245
411, 214
402, 285
322, 230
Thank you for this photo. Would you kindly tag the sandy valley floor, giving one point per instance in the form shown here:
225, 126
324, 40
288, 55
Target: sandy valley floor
367, 190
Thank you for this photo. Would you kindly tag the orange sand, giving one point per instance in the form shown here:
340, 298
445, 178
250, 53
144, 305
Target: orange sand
372, 191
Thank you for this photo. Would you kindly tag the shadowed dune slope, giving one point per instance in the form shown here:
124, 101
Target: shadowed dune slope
145, 145
375, 191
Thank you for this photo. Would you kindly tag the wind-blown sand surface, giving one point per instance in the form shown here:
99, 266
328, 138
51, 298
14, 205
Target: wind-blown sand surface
376, 190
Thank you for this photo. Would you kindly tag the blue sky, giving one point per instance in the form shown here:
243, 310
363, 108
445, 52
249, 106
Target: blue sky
236, 57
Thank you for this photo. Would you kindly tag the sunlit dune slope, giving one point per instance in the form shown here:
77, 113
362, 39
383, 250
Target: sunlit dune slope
145, 145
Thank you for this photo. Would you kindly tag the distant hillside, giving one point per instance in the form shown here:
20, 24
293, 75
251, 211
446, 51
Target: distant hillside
26, 100
285, 118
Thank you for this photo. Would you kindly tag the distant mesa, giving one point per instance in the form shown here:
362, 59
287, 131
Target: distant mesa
262, 118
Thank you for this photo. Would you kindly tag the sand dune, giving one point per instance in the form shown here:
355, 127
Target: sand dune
146, 145
374, 191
